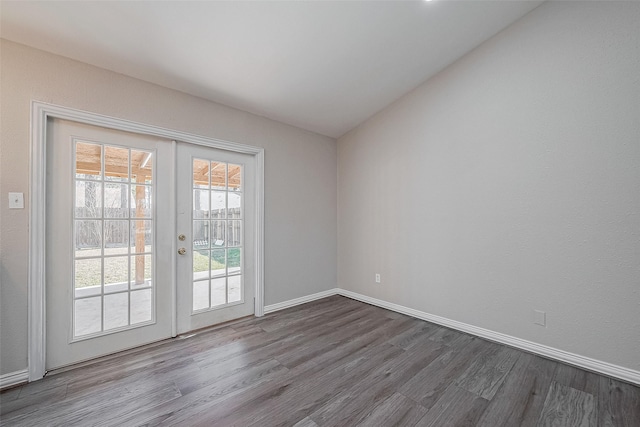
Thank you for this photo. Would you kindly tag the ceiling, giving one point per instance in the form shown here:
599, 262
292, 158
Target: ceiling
324, 66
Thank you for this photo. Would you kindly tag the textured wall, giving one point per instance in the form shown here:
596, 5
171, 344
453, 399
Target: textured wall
300, 175
510, 182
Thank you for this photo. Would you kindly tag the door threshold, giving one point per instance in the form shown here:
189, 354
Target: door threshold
210, 328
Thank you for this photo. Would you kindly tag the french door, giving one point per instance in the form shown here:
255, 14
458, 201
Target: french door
120, 270
216, 236
108, 275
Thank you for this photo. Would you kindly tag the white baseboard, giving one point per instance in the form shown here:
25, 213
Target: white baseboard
297, 301
625, 374
13, 378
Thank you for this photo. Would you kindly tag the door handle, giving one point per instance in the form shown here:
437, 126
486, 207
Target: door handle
182, 251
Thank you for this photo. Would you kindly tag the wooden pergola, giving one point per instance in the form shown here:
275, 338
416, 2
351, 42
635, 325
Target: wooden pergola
203, 168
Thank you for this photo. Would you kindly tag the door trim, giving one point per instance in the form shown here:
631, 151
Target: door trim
40, 113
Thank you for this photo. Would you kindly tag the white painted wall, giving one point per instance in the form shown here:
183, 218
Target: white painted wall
510, 182
300, 175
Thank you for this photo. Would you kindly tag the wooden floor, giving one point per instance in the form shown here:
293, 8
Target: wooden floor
333, 362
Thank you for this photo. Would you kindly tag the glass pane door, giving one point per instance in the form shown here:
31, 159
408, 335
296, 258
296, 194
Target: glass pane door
110, 229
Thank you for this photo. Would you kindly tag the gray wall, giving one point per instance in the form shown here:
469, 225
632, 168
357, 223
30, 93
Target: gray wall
300, 175
510, 182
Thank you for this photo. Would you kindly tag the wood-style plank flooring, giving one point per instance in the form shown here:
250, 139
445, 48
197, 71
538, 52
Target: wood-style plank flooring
333, 362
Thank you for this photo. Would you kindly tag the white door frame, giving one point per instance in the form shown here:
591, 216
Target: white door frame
40, 113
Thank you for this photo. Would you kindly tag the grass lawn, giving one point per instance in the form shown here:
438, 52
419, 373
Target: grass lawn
116, 269
201, 261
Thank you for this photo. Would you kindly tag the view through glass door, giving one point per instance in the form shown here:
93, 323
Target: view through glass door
216, 215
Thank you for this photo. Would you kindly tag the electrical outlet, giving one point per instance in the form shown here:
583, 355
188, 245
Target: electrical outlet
539, 317
377, 277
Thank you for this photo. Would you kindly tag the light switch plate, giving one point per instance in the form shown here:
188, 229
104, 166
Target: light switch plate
16, 200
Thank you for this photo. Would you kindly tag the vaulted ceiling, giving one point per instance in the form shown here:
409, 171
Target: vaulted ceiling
324, 66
